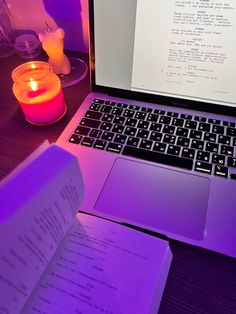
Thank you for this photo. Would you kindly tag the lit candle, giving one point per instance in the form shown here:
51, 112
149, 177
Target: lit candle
39, 93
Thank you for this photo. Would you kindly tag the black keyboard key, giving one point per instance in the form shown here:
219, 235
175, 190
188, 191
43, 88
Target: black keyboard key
93, 115
169, 139
99, 144
223, 139
98, 101
212, 147
214, 121
130, 131
143, 124
173, 150
182, 132
169, 129
209, 137
164, 119
95, 107
188, 153
234, 141
90, 123
183, 141
122, 105
117, 128
156, 136
197, 144
203, 156
128, 113
203, 167
143, 134
195, 134
107, 136
227, 150
190, 124
140, 115
110, 103
145, 109
158, 111
200, 119
76, 139
218, 159
106, 126
156, 127
82, 130
131, 122
117, 111
107, 117
177, 122
221, 171
134, 107
172, 114
87, 141
219, 129
233, 176
232, 162
119, 120
120, 138
231, 132
146, 144
158, 157
114, 148
133, 141
159, 147
106, 109
229, 124
152, 117
95, 133
206, 127
186, 116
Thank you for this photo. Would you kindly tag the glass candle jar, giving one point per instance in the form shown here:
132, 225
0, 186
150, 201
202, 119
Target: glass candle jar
39, 93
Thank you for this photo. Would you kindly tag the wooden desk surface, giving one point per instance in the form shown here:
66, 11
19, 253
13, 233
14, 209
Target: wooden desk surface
199, 281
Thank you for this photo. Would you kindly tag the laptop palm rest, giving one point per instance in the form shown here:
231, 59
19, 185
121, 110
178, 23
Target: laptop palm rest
153, 196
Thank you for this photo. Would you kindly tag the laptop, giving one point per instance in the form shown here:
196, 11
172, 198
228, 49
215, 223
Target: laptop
156, 137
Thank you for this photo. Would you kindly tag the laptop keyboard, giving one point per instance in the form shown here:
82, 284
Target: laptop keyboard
181, 140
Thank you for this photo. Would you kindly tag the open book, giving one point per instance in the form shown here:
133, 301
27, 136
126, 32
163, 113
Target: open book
56, 260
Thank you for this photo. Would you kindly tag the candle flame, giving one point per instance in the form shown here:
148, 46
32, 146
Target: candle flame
33, 85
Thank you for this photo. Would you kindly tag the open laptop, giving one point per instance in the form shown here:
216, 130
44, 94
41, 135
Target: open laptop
156, 137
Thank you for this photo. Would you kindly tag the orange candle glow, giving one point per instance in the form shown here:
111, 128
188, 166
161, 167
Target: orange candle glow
39, 93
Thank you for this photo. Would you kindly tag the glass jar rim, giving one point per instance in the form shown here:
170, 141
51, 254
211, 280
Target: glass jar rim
36, 70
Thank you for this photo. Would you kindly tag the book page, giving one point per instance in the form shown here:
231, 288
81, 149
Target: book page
186, 48
31, 233
102, 267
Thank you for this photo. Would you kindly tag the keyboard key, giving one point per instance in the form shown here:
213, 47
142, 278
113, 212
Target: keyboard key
76, 139
106, 126
158, 157
98, 101
143, 124
190, 124
221, 171
99, 144
223, 139
122, 105
107, 117
82, 130
164, 120
214, 121
110, 103
188, 153
134, 107
197, 144
156, 136
128, 113
114, 147
131, 122
195, 134
117, 111
200, 119
203, 156
133, 141
172, 114
209, 137
152, 117
227, 150
183, 141
159, 147
107, 136
186, 116
177, 122
233, 176
95, 107
218, 159
229, 124
140, 115
117, 128
90, 123
130, 131
119, 120
234, 141
156, 127
106, 109
170, 129
173, 150
143, 134
206, 127
93, 115
158, 111
169, 139
120, 138
231, 132
146, 144
203, 167
219, 129
182, 132
212, 147
95, 133
87, 141
145, 109
232, 162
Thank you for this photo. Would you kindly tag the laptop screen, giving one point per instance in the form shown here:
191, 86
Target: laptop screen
176, 49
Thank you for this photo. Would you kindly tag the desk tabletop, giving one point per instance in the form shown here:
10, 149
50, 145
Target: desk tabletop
199, 281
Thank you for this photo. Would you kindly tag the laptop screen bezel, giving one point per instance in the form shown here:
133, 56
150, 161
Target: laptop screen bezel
147, 97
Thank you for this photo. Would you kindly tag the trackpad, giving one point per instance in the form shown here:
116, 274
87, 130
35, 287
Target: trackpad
153, 196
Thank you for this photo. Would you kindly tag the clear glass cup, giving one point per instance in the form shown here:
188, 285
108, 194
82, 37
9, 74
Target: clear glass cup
6, 30
27, 46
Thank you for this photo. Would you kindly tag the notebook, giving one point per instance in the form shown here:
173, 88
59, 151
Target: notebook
156, 137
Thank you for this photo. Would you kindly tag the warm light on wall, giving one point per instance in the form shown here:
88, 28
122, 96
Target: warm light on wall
39, 93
